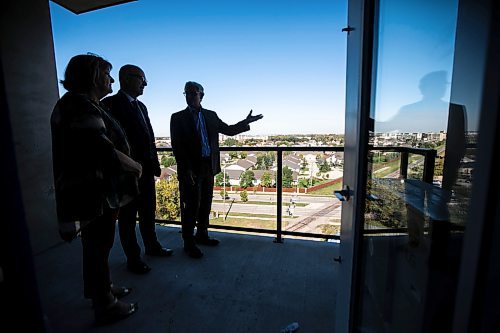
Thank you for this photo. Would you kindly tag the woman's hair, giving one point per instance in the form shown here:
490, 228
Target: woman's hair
83, 71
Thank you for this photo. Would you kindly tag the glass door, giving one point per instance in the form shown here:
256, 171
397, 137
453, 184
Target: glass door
416, 197
409, 160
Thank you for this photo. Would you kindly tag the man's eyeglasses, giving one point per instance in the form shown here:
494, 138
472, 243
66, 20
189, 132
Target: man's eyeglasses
190, 93
143, 79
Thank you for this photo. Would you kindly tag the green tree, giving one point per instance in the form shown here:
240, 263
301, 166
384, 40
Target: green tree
243, 155
325, 167
439, 164
247, 179
287, 177
303, 166
307, 182
219, 179
230, 142
244, 196
267, 179
233, 154
223, 194
304, 183
167, 199
167, 161
265, 160
390, 211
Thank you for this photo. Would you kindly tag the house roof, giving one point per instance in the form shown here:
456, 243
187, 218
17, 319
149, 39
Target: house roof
291, 164
245, 164
258, 173
252, 158
234, 174
292, 158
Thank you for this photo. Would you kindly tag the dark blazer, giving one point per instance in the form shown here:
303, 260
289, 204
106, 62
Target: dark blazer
140, 136
85, 163
186, 142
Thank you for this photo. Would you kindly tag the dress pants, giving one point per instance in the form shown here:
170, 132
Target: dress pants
145, 206
196, 202
97, 240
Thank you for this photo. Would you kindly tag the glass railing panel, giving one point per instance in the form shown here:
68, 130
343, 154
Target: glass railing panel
245, 190
415, 166
167, 189
385, 164
311, 206
246, 194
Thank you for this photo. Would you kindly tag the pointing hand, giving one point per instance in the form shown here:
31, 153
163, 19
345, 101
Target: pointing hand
251, 119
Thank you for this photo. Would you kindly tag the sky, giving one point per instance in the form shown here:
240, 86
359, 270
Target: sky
283, 59
416, 40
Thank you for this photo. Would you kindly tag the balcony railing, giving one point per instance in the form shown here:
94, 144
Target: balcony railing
428, 171
429, 160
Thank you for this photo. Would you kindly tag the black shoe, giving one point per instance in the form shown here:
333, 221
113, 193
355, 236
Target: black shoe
205, 240
160, 252
138, 267
193, 251
113, 312
120, 291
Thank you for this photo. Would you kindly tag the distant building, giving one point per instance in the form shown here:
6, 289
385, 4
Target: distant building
241, 165
234, 177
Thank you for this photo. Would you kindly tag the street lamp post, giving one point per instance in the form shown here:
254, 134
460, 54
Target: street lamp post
224, 192
310, 173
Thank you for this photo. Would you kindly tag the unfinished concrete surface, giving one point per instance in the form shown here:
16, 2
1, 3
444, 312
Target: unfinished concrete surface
246, 284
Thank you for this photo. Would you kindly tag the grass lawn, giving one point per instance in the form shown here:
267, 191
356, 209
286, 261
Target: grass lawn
327, 190
248, 223
386, 169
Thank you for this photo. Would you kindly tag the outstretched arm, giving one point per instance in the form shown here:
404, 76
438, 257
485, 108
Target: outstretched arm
240, 127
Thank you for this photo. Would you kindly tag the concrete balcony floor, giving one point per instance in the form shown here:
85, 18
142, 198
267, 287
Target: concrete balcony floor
246, 284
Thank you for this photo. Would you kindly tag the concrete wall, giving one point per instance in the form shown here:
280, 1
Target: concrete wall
27, 54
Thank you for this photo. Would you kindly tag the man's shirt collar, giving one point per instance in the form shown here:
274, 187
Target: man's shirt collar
193, 110
130, 98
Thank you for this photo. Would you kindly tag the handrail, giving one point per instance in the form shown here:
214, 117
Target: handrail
429, 160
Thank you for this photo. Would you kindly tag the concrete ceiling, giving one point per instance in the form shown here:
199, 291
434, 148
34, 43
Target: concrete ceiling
83, 6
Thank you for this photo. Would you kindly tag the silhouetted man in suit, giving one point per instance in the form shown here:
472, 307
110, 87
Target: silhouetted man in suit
195, 143
133, 116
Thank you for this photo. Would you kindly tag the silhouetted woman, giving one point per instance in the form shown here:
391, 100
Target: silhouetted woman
93, 177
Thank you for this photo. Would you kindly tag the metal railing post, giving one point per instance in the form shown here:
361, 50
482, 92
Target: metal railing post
279, 195
429, 162
403, 169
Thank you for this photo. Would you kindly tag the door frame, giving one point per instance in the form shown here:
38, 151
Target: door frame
359, 81
479, 28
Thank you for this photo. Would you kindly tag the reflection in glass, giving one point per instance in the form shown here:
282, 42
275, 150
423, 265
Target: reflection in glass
413, 212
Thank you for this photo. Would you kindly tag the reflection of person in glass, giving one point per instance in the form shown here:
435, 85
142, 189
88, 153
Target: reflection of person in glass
429, 115
427, 199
